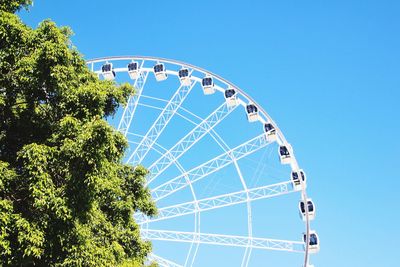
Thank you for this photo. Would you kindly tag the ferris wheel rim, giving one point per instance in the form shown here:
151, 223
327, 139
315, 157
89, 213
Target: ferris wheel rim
249, 100
199, 69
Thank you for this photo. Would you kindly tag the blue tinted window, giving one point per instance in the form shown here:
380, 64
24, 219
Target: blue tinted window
284, 152
310, 206
106, 67
313, 240
132, 66
229, 93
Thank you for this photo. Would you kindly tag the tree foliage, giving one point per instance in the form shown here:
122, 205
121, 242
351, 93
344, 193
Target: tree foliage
14, 5
66, 198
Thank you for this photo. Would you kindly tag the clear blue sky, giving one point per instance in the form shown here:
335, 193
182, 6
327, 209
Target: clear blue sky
327, 71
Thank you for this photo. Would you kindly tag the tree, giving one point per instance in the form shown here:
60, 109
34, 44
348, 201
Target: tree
66, 198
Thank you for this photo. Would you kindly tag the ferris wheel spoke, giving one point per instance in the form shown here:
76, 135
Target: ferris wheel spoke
162, 261
133, 101
186, 181
220, 201
209, 167
161, 150
214, 135
159, 125
189, 140
224, 240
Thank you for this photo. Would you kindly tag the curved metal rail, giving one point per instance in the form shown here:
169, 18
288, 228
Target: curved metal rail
243, 99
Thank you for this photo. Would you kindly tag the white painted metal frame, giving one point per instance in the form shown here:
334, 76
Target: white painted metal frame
159, 125
211, 166
220, 201
161, 261
140, 217
188, 177
133, 100
189, 140
224, 240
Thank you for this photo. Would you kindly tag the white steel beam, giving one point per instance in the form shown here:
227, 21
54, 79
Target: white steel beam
264, 118
159, 125
139, 217
161, 261
223, 240
209, 167
131, 105
188, 141
220, 201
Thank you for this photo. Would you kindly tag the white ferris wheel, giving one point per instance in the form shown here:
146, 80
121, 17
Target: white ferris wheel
227, 185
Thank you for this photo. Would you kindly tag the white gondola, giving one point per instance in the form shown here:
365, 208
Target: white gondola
296, 179
252, 112
231, 97
184, 77
285, 154
133, 70
208, 85
313, 242
108, 72
311, 209
160, 72
270, 132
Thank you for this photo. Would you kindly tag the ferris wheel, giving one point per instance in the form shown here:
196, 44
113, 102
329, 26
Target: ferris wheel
226, 182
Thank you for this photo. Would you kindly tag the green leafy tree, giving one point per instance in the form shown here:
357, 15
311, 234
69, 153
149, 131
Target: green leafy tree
66, 198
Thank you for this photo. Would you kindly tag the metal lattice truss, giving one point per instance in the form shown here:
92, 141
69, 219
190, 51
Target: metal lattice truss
161, 261
209, 167
132, 103
159, 125
220, 201
189, 140
171, 156
223, 240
